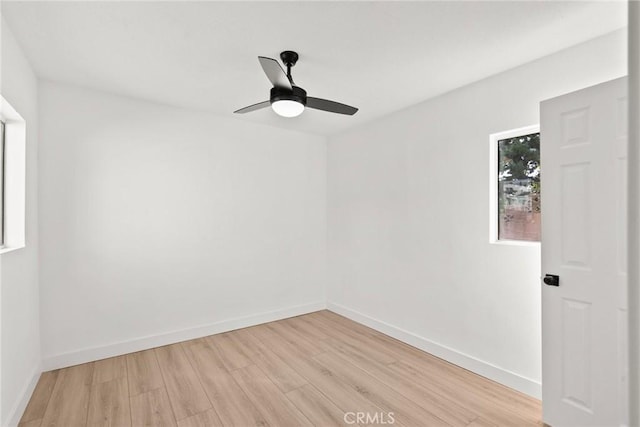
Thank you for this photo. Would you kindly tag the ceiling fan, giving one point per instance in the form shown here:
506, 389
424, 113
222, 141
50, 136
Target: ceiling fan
287, 99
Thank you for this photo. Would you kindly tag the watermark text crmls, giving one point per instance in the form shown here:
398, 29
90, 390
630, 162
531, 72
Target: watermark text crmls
369, 418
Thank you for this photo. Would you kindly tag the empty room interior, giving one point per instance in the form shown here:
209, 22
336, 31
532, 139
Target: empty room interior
318, 213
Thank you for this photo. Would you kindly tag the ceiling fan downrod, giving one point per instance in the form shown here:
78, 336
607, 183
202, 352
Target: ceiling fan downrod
289, 58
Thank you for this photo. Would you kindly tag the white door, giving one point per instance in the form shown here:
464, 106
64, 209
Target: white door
584, 319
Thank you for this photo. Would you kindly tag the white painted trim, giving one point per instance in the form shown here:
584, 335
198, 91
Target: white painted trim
493, 182
480, 367
633, 220
144, 343
21, 404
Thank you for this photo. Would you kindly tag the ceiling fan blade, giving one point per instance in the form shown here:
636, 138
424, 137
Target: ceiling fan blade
275, 73
253, 107
330, 106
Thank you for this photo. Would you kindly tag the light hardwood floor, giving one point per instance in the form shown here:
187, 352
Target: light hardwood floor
314, 369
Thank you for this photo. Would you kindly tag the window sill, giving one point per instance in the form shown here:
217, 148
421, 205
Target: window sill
515, 243
5, 249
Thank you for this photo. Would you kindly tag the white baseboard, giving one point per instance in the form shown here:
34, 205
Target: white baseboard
21, 404
480, 367
144, 343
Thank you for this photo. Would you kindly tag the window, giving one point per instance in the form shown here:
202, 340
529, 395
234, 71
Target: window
12, 178
515, 184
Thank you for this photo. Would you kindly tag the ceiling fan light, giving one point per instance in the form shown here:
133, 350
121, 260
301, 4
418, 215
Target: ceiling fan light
287, 108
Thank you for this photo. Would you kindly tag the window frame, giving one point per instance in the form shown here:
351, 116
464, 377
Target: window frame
493, 184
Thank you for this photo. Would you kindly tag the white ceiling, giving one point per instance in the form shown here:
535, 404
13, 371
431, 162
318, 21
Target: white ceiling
378, 56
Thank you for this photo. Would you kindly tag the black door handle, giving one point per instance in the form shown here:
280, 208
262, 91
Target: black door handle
551, 280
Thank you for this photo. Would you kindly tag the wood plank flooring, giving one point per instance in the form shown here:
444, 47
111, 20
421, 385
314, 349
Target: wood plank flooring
318, 369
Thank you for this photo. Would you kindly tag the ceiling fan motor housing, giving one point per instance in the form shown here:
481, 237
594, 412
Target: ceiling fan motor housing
297, 94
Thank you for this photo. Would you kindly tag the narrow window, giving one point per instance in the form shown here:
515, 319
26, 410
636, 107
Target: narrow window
516, 212
519, 188
12, 178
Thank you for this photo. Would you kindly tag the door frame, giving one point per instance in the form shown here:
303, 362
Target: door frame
634, 211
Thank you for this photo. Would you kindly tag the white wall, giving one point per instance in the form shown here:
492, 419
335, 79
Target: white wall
160, 224
408, 218
20, 329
